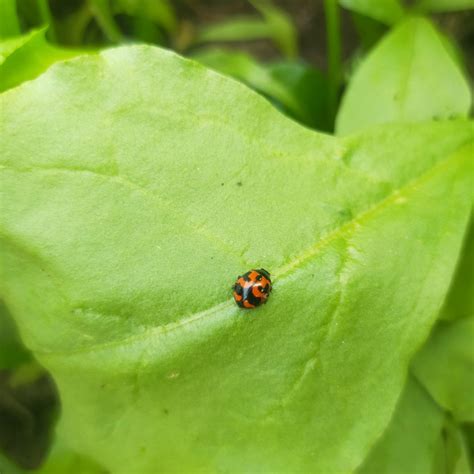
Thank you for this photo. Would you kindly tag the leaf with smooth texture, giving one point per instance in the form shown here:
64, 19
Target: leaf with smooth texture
122, 238
410, 76
419, 439
445, 366
26, 57
445, 5
385, 11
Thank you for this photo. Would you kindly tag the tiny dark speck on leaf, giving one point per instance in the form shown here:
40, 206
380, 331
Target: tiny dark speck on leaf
222, 184
165, 411
239, 183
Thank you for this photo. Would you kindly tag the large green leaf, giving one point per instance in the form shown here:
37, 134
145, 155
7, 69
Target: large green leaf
26, 57
410, 76
446, 367
420, 439
385, 11
143, 189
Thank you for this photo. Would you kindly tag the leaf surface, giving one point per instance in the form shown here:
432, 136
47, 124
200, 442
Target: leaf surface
144, 188
410, 76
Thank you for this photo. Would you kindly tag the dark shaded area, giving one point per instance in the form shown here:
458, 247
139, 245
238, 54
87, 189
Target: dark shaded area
28, 411
27, 414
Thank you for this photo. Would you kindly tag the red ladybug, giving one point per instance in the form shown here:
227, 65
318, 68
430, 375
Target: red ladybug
252, 289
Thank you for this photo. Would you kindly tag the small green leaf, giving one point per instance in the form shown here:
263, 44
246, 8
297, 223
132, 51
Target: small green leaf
445, 5
146, 185
410, 76
385, 11
9, 24
275, 25
445, 366
26, 57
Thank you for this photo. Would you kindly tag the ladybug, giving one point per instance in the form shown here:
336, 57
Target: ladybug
252, 289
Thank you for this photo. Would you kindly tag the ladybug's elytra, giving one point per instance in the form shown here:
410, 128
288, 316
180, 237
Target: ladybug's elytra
252, 288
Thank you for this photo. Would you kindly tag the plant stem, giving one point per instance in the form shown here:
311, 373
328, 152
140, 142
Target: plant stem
47, 18
333, 38
101, 11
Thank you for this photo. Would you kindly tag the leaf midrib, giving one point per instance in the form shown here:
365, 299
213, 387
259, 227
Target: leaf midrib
282, 273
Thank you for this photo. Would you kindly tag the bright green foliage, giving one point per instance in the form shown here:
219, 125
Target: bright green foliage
9, 25
446, 367
409, 76
445, 5
122, 246
275, 25
420, 439
299, 89
385, 11
26, 57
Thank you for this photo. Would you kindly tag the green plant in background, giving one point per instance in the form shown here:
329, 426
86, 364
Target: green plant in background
135, 186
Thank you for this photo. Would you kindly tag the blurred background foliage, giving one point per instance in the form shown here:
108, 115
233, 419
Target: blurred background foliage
299, 54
